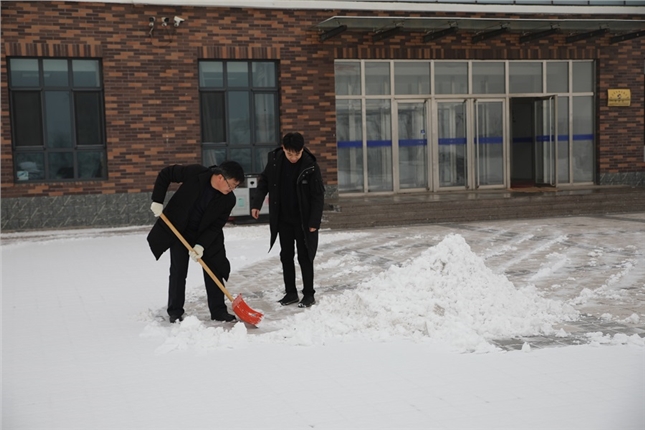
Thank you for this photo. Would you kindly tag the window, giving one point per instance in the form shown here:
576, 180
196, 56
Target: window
57, 119
525, 77
557, 77
583, 139
451, 78
377, 78
412, 77
349, 135
239, 112
488, 77
348, 78
375, 102
583, 77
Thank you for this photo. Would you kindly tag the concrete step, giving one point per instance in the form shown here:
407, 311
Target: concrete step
366, 211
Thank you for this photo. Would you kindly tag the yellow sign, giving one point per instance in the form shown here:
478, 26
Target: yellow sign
619, 97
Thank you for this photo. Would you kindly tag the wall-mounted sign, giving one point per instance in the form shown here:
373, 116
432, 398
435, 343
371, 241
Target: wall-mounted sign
619, 97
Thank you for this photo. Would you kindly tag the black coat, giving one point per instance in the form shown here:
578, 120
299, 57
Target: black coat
193, 179
310, 193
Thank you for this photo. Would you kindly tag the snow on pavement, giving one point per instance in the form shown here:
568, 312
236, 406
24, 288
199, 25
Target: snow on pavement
86, 343
445, 295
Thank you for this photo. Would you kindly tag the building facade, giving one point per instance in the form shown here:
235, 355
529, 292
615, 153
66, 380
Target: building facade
392, 97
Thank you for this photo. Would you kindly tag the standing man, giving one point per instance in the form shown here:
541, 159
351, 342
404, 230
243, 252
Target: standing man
296, 197
199, 209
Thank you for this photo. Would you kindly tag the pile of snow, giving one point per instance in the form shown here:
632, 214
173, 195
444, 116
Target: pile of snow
446, 295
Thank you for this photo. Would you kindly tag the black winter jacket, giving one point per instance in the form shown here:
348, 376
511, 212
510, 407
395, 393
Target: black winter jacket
193, 179
310, 193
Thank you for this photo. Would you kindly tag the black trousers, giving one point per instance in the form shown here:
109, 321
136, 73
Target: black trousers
179, 260
288, 234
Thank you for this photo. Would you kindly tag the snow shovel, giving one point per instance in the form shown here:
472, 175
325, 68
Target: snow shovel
241, 309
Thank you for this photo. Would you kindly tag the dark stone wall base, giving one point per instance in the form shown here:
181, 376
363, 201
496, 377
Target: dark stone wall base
634, 179
97, 210
123, 210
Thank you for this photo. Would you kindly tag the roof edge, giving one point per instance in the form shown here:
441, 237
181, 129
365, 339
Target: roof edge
387, 6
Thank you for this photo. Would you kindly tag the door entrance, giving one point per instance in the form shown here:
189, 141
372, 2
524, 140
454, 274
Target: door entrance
470, 144
489, 143
431, 144
410, 156
534, 138
451, 143
546, 138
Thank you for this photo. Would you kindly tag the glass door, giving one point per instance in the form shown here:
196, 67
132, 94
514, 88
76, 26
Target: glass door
451, 143
411, 145
378, 119
546, 140
489, 143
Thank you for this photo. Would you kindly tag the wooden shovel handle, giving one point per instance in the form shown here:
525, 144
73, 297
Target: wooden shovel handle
190, 248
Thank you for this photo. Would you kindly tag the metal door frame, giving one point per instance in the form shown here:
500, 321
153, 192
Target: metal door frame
395, 144
475, 143
472, 179
551, 121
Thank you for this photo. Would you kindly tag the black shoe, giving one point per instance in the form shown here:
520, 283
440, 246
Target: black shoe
289, 299
223, 316
174, 318
307, 302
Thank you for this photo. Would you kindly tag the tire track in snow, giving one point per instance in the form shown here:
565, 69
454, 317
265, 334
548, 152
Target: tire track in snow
545, 243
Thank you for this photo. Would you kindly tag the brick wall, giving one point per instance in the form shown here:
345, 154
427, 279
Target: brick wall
621, 128
151, 87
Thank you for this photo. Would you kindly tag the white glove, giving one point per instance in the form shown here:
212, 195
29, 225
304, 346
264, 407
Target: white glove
156, 208
197, 252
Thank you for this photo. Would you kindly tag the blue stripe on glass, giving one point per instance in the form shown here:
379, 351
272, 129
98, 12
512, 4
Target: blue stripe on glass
413, 142
490, 140
459, 141
359, 143
452, 141
546, 138
378, 143
350, 144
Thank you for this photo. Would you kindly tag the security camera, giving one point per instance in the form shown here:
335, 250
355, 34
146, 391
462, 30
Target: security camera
178, 20
165, 20
152, 21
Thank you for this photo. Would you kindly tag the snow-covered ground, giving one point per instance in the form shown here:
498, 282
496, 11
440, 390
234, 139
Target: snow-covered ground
534, 324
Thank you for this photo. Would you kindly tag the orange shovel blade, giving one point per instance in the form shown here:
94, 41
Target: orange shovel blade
245, 313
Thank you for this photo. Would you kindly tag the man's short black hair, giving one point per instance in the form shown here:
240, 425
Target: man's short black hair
293, 141
230, 170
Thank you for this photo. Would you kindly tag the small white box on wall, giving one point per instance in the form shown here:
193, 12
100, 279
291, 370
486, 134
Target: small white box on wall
243, 204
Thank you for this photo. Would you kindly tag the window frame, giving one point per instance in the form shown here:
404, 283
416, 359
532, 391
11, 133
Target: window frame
353, 174
45, 150
256, 149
